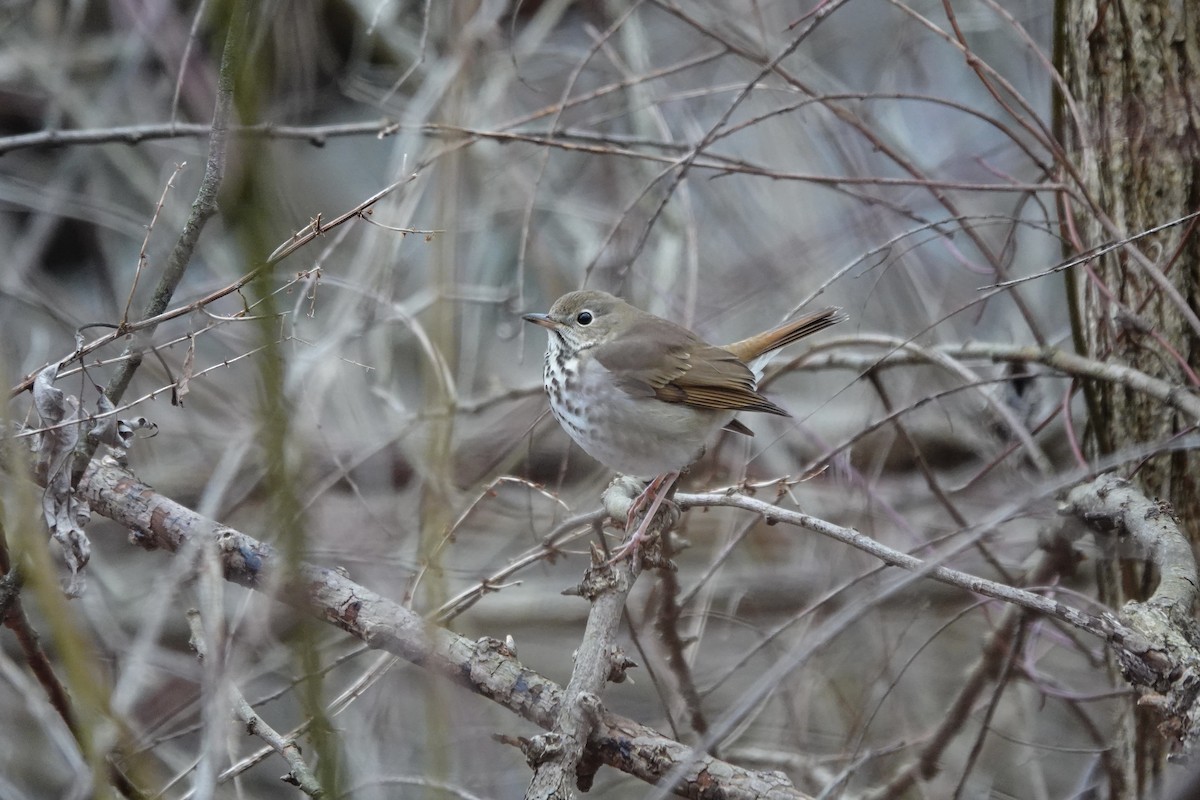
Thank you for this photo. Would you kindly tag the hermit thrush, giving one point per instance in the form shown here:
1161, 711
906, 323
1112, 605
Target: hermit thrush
643, 395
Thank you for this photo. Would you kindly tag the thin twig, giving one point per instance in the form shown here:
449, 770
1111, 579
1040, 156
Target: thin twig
300, 775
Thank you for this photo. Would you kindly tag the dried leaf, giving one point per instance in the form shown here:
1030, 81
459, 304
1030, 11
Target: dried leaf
105, 430
63, 426
182, 386
65, 515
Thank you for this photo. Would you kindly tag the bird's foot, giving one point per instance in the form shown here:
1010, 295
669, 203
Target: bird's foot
654, 495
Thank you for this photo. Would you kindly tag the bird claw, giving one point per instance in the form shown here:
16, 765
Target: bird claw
654, 495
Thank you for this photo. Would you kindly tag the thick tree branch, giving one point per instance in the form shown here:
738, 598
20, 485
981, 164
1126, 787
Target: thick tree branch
485, 667
1164, 660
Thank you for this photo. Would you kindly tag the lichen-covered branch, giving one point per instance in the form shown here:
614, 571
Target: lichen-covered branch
1162, 658
485, 667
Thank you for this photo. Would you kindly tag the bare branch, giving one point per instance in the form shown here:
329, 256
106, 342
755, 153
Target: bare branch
484, 666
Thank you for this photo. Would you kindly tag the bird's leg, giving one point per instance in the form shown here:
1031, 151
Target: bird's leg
654, 494
645, 498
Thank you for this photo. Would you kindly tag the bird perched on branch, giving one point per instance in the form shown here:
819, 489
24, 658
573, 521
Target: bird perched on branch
643, 396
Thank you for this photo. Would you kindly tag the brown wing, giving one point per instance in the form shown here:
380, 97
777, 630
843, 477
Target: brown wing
657, 359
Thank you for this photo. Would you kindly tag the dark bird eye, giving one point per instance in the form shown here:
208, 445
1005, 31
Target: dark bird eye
585, 317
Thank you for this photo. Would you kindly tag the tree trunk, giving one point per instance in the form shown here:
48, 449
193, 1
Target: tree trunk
1130, 132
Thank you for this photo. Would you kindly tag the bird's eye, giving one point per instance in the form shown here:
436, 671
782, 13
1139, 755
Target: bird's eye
584, 317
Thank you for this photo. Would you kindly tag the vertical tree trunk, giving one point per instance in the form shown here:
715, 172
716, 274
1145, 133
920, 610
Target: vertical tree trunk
1132, 69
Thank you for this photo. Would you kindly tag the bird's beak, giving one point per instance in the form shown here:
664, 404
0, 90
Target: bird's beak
541, 319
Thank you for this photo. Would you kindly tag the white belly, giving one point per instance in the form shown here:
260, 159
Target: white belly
639, 436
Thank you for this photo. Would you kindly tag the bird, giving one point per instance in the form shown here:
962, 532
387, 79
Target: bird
643, 395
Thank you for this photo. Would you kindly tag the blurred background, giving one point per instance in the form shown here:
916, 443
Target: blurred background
376, 397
